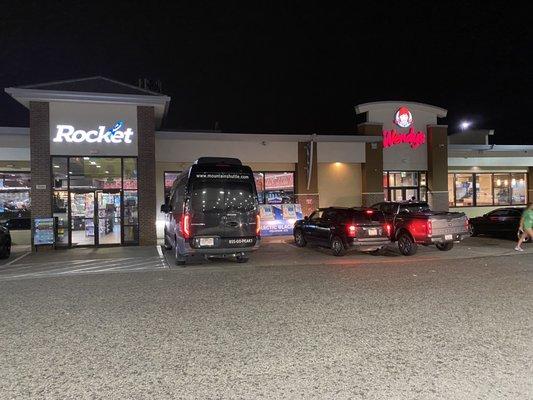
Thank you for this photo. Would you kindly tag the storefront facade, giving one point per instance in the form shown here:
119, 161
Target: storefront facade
95, 159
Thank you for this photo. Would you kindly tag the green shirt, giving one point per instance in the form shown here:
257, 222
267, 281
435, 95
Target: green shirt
528, 219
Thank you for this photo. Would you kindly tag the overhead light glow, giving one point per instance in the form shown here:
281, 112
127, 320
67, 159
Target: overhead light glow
465, 125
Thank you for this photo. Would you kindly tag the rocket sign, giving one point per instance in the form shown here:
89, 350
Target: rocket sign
404, 119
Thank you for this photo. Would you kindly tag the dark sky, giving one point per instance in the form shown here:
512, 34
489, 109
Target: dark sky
283, 66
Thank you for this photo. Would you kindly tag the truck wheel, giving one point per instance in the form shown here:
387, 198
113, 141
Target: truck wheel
166, 245
180, 260
406, 245
242, 258
299, 238
445, 246
337, 246
473, 231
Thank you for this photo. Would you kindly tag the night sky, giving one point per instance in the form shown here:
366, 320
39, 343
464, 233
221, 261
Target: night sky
291, 67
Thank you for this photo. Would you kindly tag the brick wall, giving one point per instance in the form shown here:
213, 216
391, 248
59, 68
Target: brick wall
372, 169
437, 179
146, 175
41, 199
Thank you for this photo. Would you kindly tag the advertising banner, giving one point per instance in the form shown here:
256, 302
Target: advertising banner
279, 219
44, 231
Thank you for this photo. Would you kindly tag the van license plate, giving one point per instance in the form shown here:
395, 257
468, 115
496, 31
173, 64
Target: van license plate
448, 237
372, 232
207, 241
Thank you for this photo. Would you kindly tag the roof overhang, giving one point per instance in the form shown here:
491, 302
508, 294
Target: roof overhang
267, 137
24, 96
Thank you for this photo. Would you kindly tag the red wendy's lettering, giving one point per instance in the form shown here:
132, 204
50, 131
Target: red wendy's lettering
415, 139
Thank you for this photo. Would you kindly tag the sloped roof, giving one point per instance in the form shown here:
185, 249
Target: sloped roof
94, 84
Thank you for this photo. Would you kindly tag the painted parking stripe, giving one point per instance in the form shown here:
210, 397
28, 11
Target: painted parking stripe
18, 258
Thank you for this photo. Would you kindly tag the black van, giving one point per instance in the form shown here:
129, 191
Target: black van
213, 211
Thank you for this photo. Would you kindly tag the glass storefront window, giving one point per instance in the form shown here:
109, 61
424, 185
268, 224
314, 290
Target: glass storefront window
168, 178
60, 211
91, 196
259, 178
464, 190
518, 189
502, 189
14, 195
96, 172
403, 179
131, 214
60, 172
130, 173
484, 190
279, 187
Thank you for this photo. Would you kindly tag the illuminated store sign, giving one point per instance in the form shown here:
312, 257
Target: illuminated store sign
115, 134
404, 119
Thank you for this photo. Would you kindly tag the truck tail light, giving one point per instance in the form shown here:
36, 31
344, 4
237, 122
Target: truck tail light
388, 229
257, 225
351, 230
430, 227
185, 225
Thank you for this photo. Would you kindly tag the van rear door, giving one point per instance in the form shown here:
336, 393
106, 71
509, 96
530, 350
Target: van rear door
223, 205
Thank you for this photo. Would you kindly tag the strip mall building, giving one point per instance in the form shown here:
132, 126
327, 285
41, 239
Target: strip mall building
94, 157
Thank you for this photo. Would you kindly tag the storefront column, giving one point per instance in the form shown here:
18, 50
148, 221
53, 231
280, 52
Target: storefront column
41, 196
372, 169
307, 197
437, 178
146, 175
529, 185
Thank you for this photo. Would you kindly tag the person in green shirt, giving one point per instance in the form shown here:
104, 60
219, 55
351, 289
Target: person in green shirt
526, 225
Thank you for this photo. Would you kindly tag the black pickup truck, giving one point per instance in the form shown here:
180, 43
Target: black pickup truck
413, 223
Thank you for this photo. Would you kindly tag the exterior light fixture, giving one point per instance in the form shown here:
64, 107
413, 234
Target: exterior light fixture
465, 125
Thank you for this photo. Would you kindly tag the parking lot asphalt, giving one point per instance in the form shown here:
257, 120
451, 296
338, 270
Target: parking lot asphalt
421, 328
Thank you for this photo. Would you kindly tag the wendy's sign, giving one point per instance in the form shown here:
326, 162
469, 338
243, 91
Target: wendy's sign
403, 118
414, 139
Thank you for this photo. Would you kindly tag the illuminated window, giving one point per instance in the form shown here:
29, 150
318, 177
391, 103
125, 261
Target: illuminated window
484, 190
502, 189
464, 190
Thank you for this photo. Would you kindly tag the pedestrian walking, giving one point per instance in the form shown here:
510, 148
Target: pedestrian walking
526, 226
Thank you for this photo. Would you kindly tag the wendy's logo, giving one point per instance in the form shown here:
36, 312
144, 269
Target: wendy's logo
403, 117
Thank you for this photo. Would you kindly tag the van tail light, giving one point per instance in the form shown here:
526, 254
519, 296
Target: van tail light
185, 225
257, 225
351, 230
388, 229
430, 227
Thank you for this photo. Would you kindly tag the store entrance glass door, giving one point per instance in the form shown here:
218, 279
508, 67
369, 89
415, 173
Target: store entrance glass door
109, 218
82, 218
404, 194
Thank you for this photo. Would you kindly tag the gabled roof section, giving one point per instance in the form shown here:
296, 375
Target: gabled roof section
93, 84
96, 89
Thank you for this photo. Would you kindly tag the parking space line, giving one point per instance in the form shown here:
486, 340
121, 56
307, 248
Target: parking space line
18, 258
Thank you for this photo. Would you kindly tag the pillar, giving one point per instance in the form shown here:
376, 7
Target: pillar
307, 197
372, 169
41, 179
530, 185
146, 175
437, 174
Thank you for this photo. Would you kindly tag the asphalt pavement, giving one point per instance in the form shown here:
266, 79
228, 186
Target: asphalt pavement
385, 327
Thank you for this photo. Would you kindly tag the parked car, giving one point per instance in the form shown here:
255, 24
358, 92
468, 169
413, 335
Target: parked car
413, 223
213, 211
5, 242
15, 224
500, 222
343, 229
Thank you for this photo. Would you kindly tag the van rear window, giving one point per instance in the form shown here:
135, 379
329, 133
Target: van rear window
215, 195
